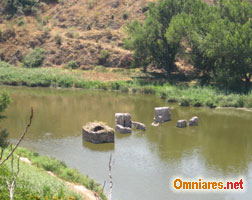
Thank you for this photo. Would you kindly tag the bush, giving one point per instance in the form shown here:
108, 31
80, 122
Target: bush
58, 39
4, 64
185, 102
124, 89
34, 58
7, 34
100, 68
20, 22
147, 39
196, 103
23, 7
147, 90
210, 103
20, 7
219, 37
104, 54
72, 64
172, 100
22, 190
125, 16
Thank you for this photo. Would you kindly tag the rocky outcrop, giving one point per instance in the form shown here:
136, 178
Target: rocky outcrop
162, 114
181, 123
193, 121
122, 129
96, 132
138, 125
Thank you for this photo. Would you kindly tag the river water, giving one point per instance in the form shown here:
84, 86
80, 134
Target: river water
145, 162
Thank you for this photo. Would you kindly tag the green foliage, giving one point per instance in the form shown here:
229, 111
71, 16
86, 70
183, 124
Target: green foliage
185, 102
125, 16
104, 55
217, 39
22, 189
34, 58
34, 183
7, 34
58, 40
148, 40
20, 7
4, 101
60, 169
220, 41
72, 64
20, 22
197, 96
23, 7
3, 138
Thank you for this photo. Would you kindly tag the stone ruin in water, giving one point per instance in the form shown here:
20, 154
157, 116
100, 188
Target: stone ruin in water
97, 132
162, 114
124, 124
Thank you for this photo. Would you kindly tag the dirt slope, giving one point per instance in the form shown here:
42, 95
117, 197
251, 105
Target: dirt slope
90, 30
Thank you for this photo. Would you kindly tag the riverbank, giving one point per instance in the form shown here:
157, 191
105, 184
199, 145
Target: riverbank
185, 95
42, 177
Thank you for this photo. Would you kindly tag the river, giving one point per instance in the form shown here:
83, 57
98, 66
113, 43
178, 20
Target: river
145, 162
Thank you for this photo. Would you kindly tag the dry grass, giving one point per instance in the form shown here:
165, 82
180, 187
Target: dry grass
75, 16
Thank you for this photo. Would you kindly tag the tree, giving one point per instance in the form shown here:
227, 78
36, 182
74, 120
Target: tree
23, 7
4, 143
220, 41
148, 40
4, 101
20, 7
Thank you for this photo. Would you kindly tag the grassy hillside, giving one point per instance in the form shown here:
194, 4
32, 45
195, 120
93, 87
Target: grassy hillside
87, 31
34, 181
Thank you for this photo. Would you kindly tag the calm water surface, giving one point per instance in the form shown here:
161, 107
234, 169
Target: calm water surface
145, 162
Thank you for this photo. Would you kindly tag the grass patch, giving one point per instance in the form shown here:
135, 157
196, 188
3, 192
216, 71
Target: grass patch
60, 169
185, 95
34, 183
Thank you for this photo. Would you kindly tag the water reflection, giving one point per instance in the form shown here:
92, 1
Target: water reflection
99, 147
219, 146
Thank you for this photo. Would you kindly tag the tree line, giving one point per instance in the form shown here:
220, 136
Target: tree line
216, 39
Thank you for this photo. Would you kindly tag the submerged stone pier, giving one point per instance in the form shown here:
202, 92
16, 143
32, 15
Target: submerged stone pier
97, 132
123, 123
162, 114
193, 121
181, 123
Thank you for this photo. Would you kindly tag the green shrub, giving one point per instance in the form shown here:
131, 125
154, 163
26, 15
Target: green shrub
209, 103
104, 54
22, 190
185, 102
163, 95
115, 86
7, 34
20, 22
20, 7
100, 68
58, 39
124, 89
4, 64
72, 64
34, 58
172, 100
196, 103
125, 16
1, 36
248, 103
147, 90
91, 3
23, 7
